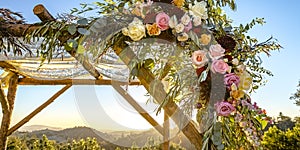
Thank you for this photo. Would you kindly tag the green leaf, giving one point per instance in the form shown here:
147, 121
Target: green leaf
203, 76
82, 21
72, 43
148, 63
218, 126
216, 140
83, 31
263, 122
72, 29
194, 37
220, 147
80, 49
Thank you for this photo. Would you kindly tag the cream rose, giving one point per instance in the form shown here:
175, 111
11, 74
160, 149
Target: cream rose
179, 28
235, 61
199, 10
185, 19
136, 30
197, 21
183, 37
245, 81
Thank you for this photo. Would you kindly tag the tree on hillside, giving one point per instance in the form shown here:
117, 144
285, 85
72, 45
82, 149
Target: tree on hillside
296, 95
275, 138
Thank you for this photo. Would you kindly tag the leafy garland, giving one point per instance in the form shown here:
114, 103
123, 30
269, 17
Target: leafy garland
226, 115
213, 75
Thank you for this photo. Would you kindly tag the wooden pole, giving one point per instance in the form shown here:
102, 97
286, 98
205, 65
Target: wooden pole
166, 137
30, 81
186, 125
7, 104
37, 110
138, 108
44, 15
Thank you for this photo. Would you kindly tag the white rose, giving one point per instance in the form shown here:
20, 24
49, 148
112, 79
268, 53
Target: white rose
136, 30
185, 19
197, 21
235, 61
179, 28
199, 10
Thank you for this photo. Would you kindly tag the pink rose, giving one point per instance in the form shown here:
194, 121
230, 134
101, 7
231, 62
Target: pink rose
199, 58
162, 21
230, 79
188, 27
224, 108
219, 66
216, 51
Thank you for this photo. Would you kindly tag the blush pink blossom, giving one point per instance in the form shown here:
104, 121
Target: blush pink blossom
188, 27
230, 79
224, 108
162, 21
219, 66
216, 51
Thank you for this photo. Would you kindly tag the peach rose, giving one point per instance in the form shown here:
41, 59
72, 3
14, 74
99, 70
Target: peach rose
205, 39
199, 58
153, 29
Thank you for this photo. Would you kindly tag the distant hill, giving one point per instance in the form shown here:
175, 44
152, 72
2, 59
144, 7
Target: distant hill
108, 140
38, 127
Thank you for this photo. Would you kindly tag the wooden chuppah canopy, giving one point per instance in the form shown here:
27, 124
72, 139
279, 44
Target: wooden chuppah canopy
145, 78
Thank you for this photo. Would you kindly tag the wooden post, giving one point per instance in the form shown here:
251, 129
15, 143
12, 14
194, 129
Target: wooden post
44, 15
37, 110
7, 103
189, 129
138, 108
166, 137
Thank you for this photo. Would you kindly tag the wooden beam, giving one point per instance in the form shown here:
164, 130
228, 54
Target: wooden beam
42, 13
138, 108
44, 16
10, 67
166, 135
18, 30
186, 125
31, 81
7, 110
37, 110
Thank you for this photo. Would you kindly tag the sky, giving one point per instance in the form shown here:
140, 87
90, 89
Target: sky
102, 108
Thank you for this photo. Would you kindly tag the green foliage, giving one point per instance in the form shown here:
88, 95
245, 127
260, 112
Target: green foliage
282, 140
25, 143
296, 95
16, 143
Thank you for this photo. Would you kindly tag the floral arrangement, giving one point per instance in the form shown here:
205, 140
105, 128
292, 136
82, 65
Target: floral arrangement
231, 121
